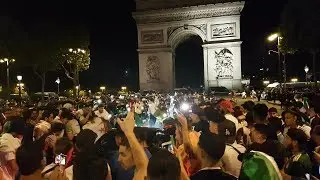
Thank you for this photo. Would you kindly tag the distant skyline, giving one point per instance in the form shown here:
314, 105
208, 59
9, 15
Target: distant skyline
113, 45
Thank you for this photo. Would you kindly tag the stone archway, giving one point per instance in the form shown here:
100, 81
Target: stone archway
178, 36
160, 31
181, 33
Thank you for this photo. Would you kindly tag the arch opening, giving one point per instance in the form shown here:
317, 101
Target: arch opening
189, 71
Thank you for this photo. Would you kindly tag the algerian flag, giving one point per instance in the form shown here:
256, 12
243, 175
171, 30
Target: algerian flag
258, 165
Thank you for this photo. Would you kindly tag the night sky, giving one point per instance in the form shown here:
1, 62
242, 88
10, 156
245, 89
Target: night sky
113, 42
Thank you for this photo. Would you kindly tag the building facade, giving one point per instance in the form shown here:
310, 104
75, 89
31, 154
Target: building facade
160, 31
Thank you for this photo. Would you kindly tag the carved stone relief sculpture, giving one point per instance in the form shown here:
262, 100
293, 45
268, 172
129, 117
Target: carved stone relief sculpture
152, 37
223, 30
153, 68
224, 64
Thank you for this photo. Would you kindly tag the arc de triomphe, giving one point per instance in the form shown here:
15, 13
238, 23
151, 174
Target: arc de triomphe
163, 24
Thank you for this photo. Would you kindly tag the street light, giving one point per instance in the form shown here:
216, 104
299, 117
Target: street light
306, 69
78, 50
58, 84
19, 78
294, 80
266, 82
7, 61
123, 88
102, 88
272, 38
78, 90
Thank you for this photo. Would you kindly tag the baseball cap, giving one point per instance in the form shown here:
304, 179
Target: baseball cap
227, 128
227, 105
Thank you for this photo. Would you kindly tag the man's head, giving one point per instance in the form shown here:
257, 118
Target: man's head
66, 115
296, 139
259, 133
85, 140
63, 146
260, 113
34, 114
197, 114
276, 123
17, 126
47, 116
226, 106
100, 108
290, 118
227, 130
119, 136
273, 112
248, 106
29, 159
315, 134
141, 134
211, 148
57, 128
164, 165
214, 118
125, 155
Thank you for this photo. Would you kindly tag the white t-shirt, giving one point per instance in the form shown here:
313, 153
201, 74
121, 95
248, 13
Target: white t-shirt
230, 161
230, 117
8, 148
96, 126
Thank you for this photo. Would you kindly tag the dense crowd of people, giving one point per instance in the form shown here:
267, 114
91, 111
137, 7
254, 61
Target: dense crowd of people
160, 137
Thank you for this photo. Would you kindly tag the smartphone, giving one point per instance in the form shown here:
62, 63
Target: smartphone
60, 159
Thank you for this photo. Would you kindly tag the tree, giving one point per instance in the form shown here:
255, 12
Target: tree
74, 61
301, 27
37, 41
41, 68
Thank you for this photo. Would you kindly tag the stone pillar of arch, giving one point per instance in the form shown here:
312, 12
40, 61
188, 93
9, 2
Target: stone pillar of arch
161, 31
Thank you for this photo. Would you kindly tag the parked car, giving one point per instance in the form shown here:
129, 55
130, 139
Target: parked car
219, 91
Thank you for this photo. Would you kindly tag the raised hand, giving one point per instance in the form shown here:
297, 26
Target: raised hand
127, 125
182, 120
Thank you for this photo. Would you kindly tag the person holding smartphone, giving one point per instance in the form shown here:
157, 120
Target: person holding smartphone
62, 159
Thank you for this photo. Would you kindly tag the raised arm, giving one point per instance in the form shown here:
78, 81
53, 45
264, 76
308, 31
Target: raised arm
139, 155
185, 134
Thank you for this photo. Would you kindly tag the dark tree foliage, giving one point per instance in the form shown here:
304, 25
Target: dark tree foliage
36, 42
301, 27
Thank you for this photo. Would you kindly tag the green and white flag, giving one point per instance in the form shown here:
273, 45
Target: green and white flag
260, 166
